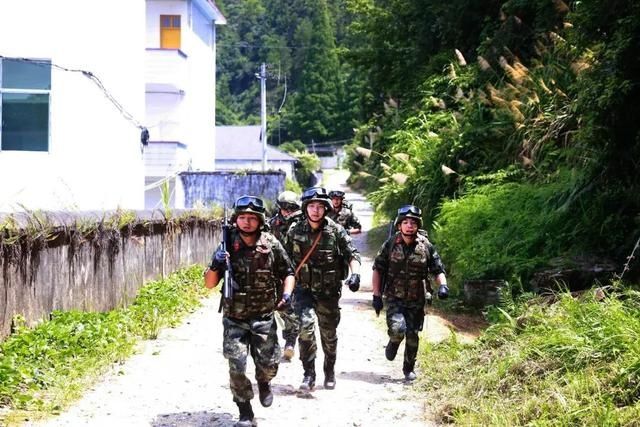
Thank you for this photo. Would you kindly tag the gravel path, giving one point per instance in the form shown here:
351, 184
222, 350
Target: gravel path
181, 379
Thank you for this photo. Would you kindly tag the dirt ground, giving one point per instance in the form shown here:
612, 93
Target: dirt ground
181, 379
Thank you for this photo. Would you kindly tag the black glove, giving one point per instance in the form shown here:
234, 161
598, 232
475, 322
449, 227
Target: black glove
443, 291
353, 282
377, 304
219, 261
285, 301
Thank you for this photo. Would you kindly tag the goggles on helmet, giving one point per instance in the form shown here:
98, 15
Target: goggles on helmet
288, 206
251, 202
314, 192
336, 193
409, 210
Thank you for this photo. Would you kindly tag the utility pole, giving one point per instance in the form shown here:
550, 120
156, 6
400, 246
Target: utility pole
263, 113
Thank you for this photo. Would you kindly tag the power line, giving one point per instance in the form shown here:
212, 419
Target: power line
144, 137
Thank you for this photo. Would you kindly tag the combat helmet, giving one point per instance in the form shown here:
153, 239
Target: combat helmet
316, 194
408, 211
249, 204
336, 193
288, 200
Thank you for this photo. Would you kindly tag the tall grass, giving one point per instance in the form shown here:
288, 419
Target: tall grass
574, 362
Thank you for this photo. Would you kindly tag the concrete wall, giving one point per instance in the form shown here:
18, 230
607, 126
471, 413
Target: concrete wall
97, 273
222, 188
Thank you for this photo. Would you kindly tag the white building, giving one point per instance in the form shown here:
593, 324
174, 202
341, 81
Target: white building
180, 92
240, 148
63, 143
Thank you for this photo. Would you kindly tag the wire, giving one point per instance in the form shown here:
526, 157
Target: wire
88, 74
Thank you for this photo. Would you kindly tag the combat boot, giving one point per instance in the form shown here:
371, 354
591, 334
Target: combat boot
391, 350
309, 379
329, 374
246, 415
265, 393
289, 351
407, 370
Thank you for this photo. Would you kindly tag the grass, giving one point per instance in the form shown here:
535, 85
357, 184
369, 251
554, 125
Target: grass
573, 362
45, 368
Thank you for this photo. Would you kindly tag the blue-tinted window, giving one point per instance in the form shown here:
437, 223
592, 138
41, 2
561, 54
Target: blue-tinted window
26, 75
24, 105
25, 122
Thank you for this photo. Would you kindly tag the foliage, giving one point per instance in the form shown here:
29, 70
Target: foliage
308, 163
43, 367
574, 362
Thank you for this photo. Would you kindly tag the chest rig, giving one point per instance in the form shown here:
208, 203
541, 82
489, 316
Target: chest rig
253, 270
408, 269
322, 272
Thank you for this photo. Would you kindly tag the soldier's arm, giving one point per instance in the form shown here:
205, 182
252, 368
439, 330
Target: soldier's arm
380, 266
347, 248
436, 267
355, 225
211, 276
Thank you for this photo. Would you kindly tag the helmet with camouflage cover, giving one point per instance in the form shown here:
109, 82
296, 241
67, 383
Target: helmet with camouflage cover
249, 204
316, 194
288, 200
408, 211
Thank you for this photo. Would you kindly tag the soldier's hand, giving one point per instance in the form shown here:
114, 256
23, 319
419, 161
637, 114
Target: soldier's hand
285, 302
219, 260
354, 282
377, 304
443, 291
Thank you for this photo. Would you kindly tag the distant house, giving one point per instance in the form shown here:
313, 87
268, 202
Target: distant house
63, 143
180, 83
240, 148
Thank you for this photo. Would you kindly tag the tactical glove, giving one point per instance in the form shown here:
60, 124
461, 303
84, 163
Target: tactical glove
377, 304
284, 302
354, 282
219, 261
443, 291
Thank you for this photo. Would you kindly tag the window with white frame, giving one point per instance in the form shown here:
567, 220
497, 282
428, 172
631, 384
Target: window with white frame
25, 86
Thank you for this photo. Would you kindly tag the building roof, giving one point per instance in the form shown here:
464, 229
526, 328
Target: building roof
243, 143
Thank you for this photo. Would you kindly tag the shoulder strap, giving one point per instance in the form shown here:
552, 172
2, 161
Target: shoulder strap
309, 252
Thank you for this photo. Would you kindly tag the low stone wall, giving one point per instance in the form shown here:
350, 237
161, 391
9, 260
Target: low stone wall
64, 268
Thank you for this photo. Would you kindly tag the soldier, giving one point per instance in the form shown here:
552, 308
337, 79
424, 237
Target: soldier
323, 253
288, 213
260, 266
343, 214
403, 264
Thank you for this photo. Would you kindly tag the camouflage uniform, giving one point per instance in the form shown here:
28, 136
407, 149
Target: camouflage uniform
279, 226
405, 269
318, 287
345, 217
249, 324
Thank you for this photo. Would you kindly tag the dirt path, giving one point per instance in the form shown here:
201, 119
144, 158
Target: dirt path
181, 379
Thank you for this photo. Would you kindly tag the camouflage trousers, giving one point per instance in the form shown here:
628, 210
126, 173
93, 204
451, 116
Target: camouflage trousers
291, 328
256, 337
308, 308
405, 319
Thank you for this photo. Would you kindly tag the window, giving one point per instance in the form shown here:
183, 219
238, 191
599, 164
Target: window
170, 31
24, 104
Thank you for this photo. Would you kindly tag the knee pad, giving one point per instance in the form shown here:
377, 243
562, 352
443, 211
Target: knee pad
398, 324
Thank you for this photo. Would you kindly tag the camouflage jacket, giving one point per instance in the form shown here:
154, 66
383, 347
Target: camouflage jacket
405, 268
329, 262
259, 272
279, 224
345, 217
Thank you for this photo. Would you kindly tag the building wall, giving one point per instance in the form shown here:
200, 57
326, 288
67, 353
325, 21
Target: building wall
94, 159
182, 109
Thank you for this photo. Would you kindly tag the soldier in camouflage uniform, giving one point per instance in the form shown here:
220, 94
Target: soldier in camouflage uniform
288, 213
260, 267
343, 214
323, 254
403, 264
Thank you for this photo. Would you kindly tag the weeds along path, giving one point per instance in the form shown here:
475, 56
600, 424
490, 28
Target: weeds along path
181, 379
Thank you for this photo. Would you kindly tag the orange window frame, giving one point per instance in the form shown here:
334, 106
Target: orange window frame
170, 31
